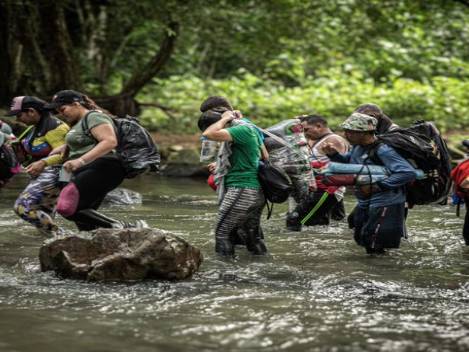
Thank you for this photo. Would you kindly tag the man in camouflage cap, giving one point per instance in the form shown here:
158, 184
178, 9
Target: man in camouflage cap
360, 122
378, 221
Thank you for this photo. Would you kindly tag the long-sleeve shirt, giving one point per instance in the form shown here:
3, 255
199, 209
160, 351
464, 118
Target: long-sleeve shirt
43, 138
392, 188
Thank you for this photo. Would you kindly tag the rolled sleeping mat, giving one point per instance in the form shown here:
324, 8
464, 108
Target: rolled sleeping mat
334, 168
351, 179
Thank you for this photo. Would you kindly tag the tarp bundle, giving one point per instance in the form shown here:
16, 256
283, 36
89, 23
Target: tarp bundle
288, 149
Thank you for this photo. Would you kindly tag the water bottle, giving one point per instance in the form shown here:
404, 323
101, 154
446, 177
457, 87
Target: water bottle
208, 150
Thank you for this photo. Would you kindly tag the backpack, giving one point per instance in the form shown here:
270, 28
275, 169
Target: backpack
275, 183
136, 149
8, 163
424, 148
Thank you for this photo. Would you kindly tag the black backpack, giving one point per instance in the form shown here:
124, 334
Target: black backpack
275, 182
424, 148
7, 162
136, 149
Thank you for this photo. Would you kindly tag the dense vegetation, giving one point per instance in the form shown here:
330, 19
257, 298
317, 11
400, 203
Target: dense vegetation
273, 59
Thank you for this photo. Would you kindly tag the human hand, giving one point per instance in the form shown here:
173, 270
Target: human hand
34, 169
369, 189
211, 167
238, 114
329, 148
312, 187
59, 150
228, 115
73, 165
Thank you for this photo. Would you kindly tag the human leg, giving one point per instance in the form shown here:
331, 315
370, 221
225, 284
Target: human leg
465, 231
383, 228
80, 199
36, 204
299, 195
252, 226
232, 214
338, 211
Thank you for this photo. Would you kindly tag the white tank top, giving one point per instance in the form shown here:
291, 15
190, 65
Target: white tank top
317, 155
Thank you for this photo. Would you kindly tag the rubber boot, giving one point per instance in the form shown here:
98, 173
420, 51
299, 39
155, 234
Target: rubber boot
90, 219
238, 237
254, 243
224, 247
293, 221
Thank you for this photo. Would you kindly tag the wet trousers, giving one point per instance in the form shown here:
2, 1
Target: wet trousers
377, 228
36, 204
240, 214
79, 199
329, 209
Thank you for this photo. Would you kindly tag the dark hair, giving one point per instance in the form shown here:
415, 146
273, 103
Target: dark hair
215, 102
384, 122
314, 119
210, 116
90, 104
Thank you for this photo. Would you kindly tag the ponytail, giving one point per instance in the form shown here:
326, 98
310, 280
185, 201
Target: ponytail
91, 105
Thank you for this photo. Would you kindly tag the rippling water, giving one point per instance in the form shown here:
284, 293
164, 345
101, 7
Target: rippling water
316, 291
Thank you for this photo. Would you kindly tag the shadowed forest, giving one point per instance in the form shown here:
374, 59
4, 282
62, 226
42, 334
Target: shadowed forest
273, 59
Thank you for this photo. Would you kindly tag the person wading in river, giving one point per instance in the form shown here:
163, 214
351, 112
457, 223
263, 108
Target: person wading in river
379, 218
329, 198
460, 176
36, 203
240, 195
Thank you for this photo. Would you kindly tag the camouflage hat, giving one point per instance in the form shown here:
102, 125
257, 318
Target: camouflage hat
360, 122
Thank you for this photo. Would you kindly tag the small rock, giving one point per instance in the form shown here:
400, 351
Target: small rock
176, 148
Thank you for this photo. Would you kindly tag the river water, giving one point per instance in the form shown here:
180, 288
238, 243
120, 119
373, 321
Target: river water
316, 291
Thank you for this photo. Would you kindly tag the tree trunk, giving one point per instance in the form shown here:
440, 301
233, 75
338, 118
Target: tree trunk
63, 65
157, 62
6, 63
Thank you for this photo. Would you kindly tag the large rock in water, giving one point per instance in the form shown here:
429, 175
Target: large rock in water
120, 255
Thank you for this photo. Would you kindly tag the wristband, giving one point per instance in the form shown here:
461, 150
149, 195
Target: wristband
82, 161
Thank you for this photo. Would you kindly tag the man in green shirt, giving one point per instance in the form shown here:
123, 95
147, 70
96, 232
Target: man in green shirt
242, 199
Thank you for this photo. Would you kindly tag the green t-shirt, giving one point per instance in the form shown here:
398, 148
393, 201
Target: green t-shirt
81, 142
244, 158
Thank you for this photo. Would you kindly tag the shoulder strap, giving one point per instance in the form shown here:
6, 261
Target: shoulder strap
85, 124
269, 209
86, 129
24, 133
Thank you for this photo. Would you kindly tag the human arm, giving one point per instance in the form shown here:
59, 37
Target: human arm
401, 171
338, 143
332, 152
105, 136
56, 139
264, 152
212, 167
217, 131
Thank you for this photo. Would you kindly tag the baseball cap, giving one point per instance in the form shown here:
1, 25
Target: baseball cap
360, 122
21, 103
65, 97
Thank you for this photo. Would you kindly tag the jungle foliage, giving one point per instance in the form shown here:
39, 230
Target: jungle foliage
273, 59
